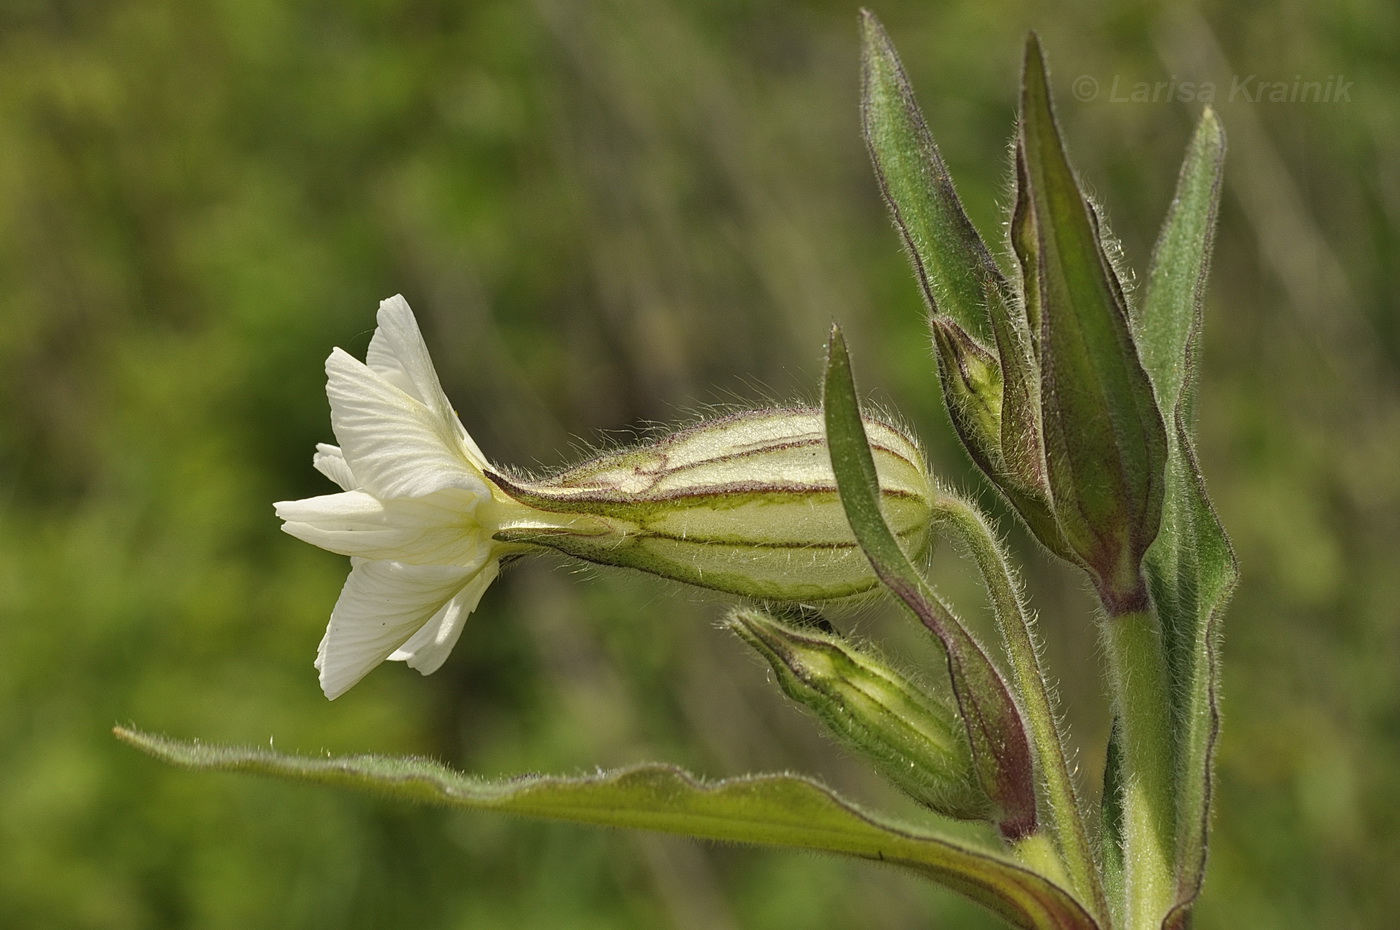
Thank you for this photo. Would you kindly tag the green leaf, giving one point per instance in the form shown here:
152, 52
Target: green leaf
1191, 568
1169, 315
1018, 344
1192, 573
995, 729
960, 281
769, 810
955, 269
1105, 442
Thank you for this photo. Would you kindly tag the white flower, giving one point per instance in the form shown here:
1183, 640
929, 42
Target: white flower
745, 504
416, 515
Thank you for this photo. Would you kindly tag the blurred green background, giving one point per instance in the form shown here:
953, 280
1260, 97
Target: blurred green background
608, 214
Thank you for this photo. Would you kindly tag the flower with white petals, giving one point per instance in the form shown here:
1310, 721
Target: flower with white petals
745, 504
416, 514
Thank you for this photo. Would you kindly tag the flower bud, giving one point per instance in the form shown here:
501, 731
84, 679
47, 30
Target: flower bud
972, 390
746, 504
913, 738
1104, 438
1043, 383
987, 348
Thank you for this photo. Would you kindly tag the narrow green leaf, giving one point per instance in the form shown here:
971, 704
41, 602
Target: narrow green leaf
995, 729
1018, 343
967, 296
1191, 568
955, 269
1105, 442
1192, 572
769, 810
1176, 281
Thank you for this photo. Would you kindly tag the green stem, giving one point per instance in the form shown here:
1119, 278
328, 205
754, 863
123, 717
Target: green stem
1039, 853
1137, 677
1066, 817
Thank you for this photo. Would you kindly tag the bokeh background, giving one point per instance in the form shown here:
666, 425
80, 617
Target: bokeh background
609, 214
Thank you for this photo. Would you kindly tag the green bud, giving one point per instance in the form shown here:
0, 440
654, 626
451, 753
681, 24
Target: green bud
1105, 443
993, 397
914, 739
972, 390
1043, 382
745, 504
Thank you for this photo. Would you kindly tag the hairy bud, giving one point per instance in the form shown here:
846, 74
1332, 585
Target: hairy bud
914, 739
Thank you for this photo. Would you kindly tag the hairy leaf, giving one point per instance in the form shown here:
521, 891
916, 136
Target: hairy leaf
1166, 321
1191, 567
955, 269
995, 729
769, 810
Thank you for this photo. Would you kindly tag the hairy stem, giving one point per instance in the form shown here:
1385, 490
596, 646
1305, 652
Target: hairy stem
960, 517
1137, 676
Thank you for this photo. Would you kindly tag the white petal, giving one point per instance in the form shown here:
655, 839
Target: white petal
381, 606
398, 354
394, 445
330, 461
438, 529
430, 646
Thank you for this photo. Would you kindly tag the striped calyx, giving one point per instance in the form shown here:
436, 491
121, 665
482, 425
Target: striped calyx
910, 734
746, 503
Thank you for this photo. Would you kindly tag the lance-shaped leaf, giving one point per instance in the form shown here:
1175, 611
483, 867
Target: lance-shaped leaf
986, 362
1191, 567
956, 271
1192, 576
995, 729
1168, 320
960, 281
768, 810
1105, 444
910, 735
1024, 449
